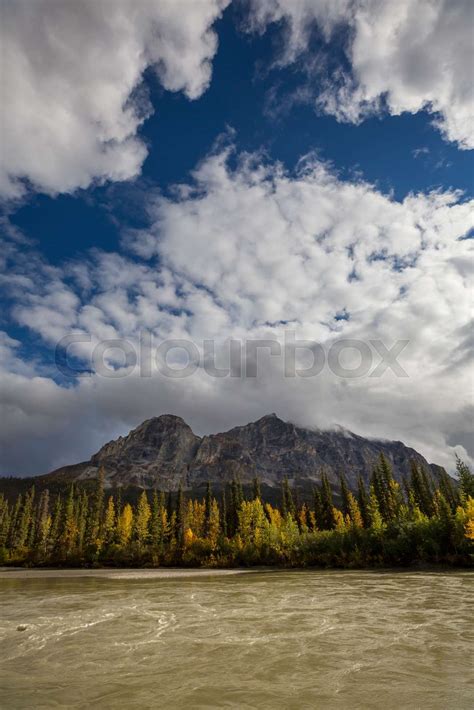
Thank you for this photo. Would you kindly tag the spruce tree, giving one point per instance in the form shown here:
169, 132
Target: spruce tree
363, 501
289, 507
207, 510
142, 520
55, 528
223, 513
318, 508
156, 520
448, 490
68, 527
344, 494
327, 506
110, 523
257, 493
179, 520
466, 479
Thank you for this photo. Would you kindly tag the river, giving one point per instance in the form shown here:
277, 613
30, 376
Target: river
262, 639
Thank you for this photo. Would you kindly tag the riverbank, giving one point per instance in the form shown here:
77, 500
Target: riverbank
109, 573
159, 573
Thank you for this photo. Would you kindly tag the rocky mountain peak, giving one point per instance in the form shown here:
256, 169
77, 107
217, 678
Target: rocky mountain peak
164, 452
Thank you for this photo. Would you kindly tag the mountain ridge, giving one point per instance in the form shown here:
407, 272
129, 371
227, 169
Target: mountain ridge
163, 452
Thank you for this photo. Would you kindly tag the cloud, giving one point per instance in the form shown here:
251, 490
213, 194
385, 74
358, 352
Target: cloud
403, 56
246, 252
71, 78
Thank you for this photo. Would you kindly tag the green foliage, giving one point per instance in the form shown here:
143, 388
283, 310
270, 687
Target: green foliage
466, 479
429, 522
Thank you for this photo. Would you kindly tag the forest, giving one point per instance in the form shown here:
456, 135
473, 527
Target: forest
384, 523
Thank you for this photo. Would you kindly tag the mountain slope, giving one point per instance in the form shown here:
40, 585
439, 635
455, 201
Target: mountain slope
163, 452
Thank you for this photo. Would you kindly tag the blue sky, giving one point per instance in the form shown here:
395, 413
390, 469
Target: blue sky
285, 85
397, 153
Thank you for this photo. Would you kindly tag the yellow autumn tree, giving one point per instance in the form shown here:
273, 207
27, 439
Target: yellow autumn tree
339, 523
142, 520
125, 525
355, 518
189, 537
109, 521
465, 515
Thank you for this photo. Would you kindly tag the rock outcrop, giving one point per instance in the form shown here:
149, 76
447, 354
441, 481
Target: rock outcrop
164, 452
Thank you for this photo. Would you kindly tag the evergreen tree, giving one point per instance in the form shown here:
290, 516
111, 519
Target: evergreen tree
5, 520
68, 527
110, 522
288, 504
207, 510
55, 528
24, 519
448, 490
223, 513
142, 520
421, 490
328, 521
376, 520
82, 518
179, 518
257, 493
363, 501
344, 494
466, 479
318, 508
94, 523
156, 521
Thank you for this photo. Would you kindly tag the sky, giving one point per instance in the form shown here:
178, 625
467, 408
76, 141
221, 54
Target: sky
177, 176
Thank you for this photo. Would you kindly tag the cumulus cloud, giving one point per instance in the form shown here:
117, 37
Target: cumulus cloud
248, 252
70, 84
407, 55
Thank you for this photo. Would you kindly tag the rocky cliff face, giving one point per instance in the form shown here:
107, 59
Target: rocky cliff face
164, 452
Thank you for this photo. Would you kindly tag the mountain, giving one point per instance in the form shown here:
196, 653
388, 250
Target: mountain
163, 452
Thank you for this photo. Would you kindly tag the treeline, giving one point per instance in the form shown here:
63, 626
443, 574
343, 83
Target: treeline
384, 523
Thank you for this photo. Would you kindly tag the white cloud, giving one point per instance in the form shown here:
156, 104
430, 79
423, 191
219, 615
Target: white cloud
404, 55
69, 79
250, 252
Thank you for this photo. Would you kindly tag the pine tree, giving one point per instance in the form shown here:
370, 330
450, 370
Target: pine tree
446, 519
223, 513
328, 521
43, 522
179, 520
207, 510
5, 519
344, 494
376, 520
14, 522
466, 479
363, 501
257, 493
94, 523
421, 489
82, 518
110, 522
156, 521
318, 508
288, 506
23, 519
214, 523
55, 528
68, 527
142, 520
448, 490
